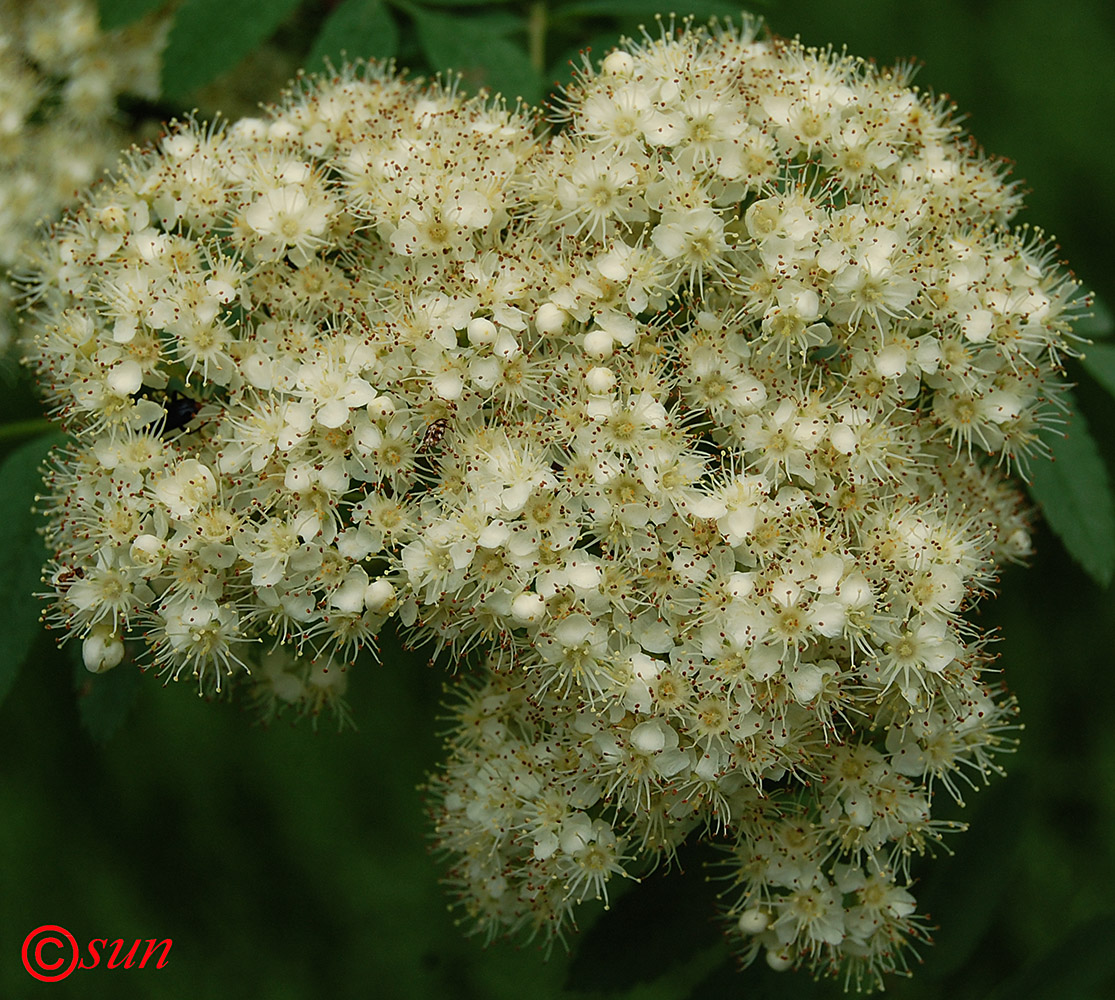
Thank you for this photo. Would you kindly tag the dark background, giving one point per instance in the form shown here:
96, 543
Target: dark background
288, 863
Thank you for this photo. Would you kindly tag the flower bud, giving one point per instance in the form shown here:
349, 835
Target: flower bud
549, 319
600, 380
618, 64
779, 961
102, 649
481, 331
379, 595
598, 343
528, 608
754, 920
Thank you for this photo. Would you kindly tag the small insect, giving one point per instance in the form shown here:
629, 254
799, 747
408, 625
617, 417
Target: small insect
180, 409
433, 436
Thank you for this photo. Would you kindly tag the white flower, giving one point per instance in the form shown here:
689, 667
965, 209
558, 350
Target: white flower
185, 489
288, 219
102, 649
667, 427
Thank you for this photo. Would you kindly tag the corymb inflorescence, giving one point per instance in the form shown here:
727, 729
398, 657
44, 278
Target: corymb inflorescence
61, 76
684, 427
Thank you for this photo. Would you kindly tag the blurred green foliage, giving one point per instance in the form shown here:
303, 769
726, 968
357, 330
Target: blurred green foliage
288, 863
1074, 491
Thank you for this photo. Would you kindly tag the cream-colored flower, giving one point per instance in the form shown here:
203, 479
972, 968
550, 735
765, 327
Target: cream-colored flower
689, 426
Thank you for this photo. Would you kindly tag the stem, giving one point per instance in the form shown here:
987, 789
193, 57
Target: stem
26, 428
536, 35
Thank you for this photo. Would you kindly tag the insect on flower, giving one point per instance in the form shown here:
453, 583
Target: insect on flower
433, 437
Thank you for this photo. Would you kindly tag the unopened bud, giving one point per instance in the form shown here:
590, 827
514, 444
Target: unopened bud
102, 649
379, 595
528, 608
754, 921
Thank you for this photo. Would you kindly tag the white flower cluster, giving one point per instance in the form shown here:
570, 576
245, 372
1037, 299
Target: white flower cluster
686, 425
60, 78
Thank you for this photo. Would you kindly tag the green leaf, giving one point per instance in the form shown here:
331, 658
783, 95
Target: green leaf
117, 13
647, 9
104, 700
357, 29
464, 3
1075, 495
477, 49
1098, 323
22, 553
1099, 362
211, 36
